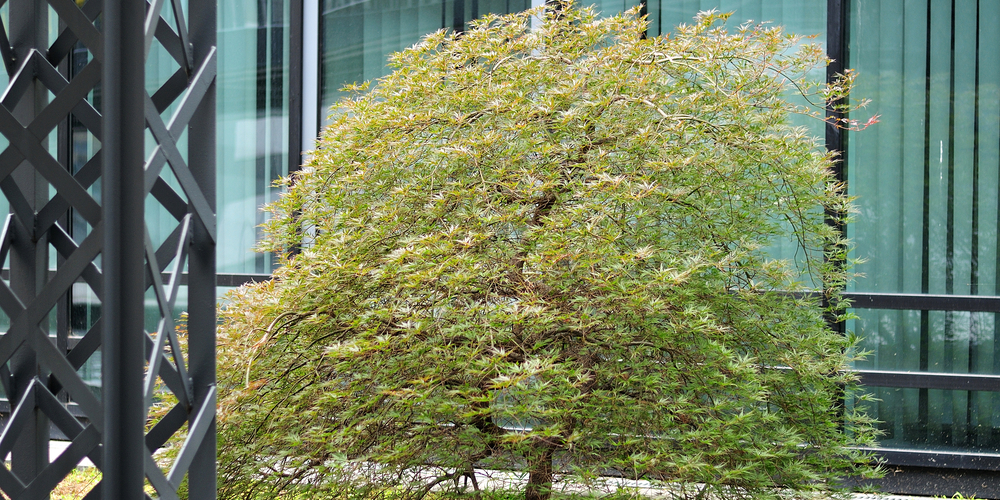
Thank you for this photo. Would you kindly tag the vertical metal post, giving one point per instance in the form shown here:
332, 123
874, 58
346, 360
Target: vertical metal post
836, 140
309, 42
28, 257
201, 263
836, 49
295, 83
123, 260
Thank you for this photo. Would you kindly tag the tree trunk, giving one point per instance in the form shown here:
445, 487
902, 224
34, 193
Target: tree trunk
540, 475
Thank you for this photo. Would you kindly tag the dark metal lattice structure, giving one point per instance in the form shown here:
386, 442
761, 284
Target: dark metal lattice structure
74, 227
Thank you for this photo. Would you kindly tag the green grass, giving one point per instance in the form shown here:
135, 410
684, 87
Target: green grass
78, 483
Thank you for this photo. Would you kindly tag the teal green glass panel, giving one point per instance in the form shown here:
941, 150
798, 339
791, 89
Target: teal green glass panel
801, 17
804, 17
252, 147
252, 125
926, 181
357, 37
928, 341
926, 177
937, 420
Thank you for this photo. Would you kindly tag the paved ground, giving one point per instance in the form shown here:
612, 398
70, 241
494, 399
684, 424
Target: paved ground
57, 447
498, 479
509, 480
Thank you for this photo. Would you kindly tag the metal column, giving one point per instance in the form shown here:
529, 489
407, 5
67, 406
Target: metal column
110, 253
28, 255
123, 218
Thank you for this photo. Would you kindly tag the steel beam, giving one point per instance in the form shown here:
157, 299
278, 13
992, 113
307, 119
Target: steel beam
201, 281
112, 254
122, 352
28, 256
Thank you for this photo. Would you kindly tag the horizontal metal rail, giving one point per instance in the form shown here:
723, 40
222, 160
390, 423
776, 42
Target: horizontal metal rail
927, 380
924, 302
226, 280
938, 459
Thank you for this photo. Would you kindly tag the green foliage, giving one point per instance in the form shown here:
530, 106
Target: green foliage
538, 247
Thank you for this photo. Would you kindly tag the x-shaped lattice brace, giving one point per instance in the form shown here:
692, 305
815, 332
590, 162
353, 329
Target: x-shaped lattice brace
38, 223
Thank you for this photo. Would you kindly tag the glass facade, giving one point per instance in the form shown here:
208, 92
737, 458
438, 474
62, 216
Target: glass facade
928, 212
927, 181
253, 124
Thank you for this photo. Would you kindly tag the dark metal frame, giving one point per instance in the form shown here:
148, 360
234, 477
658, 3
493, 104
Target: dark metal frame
295, 62
116, 259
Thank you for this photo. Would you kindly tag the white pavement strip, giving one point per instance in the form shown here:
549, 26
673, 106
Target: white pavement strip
55, 449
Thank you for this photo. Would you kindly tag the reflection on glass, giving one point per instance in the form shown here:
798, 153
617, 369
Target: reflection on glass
801, 17
931, 419
252, 124
357, 36
932, 341
926, 177
85, 310
926, 181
